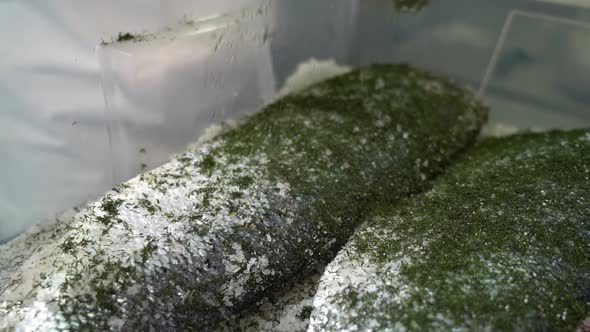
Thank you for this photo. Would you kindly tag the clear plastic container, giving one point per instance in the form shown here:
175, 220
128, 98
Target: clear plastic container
527, 59
539, 72
163, 90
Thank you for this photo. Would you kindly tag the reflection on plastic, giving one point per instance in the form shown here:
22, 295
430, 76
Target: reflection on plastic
532, 83
163, 90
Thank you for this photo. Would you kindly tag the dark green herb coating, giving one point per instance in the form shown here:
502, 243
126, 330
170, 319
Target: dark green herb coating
200, 238
501, 243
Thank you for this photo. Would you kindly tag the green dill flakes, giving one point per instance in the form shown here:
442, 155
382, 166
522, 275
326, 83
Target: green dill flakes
245, 213
500, 243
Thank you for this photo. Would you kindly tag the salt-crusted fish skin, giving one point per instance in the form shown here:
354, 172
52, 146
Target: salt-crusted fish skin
501, 243
198, 239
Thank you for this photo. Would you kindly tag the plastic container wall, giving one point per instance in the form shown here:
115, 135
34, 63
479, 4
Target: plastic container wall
527, 59
60, 146
54, 152
163, 90
539, 73
218, 60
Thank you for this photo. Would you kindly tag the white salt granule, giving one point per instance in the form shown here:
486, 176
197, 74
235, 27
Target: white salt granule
311, 72
497, 129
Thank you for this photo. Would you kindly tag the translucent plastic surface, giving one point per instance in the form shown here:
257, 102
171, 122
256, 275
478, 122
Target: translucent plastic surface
539, 74
163, 90
54, 151
528, 59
